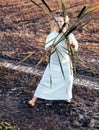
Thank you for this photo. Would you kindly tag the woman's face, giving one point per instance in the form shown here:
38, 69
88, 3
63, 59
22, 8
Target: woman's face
60, 21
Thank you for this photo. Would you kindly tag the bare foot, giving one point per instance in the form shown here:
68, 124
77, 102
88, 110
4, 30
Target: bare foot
68, 101
31, 103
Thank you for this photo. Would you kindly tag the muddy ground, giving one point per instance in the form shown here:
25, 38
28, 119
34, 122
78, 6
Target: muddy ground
18, 38
17, 88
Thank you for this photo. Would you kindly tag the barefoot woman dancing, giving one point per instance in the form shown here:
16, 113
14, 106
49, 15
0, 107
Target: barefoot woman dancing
60, 89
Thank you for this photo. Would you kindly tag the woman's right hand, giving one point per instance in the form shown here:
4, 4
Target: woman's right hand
50, 48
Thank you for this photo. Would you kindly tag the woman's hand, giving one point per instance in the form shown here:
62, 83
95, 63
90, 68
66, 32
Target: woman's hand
72, 44
50, 48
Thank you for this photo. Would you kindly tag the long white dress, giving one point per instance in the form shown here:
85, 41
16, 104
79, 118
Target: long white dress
53, 85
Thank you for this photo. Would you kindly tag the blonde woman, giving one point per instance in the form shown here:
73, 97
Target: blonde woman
60, 89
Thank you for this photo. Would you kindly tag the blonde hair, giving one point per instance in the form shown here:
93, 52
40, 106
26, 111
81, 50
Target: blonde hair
60, 14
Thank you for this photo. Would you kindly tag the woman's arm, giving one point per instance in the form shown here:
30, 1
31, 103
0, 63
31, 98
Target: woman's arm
49, 42
73, 42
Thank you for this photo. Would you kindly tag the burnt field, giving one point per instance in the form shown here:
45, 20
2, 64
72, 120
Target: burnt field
23, 29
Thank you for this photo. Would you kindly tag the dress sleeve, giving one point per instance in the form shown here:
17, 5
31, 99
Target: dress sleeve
74, 41
49, 41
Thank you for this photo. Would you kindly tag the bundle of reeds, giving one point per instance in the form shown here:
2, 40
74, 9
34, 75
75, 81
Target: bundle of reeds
7, 126
78, 24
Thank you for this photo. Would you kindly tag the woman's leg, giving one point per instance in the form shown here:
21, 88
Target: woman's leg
32, 101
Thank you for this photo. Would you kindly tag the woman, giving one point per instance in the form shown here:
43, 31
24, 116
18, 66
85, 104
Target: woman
53, 85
